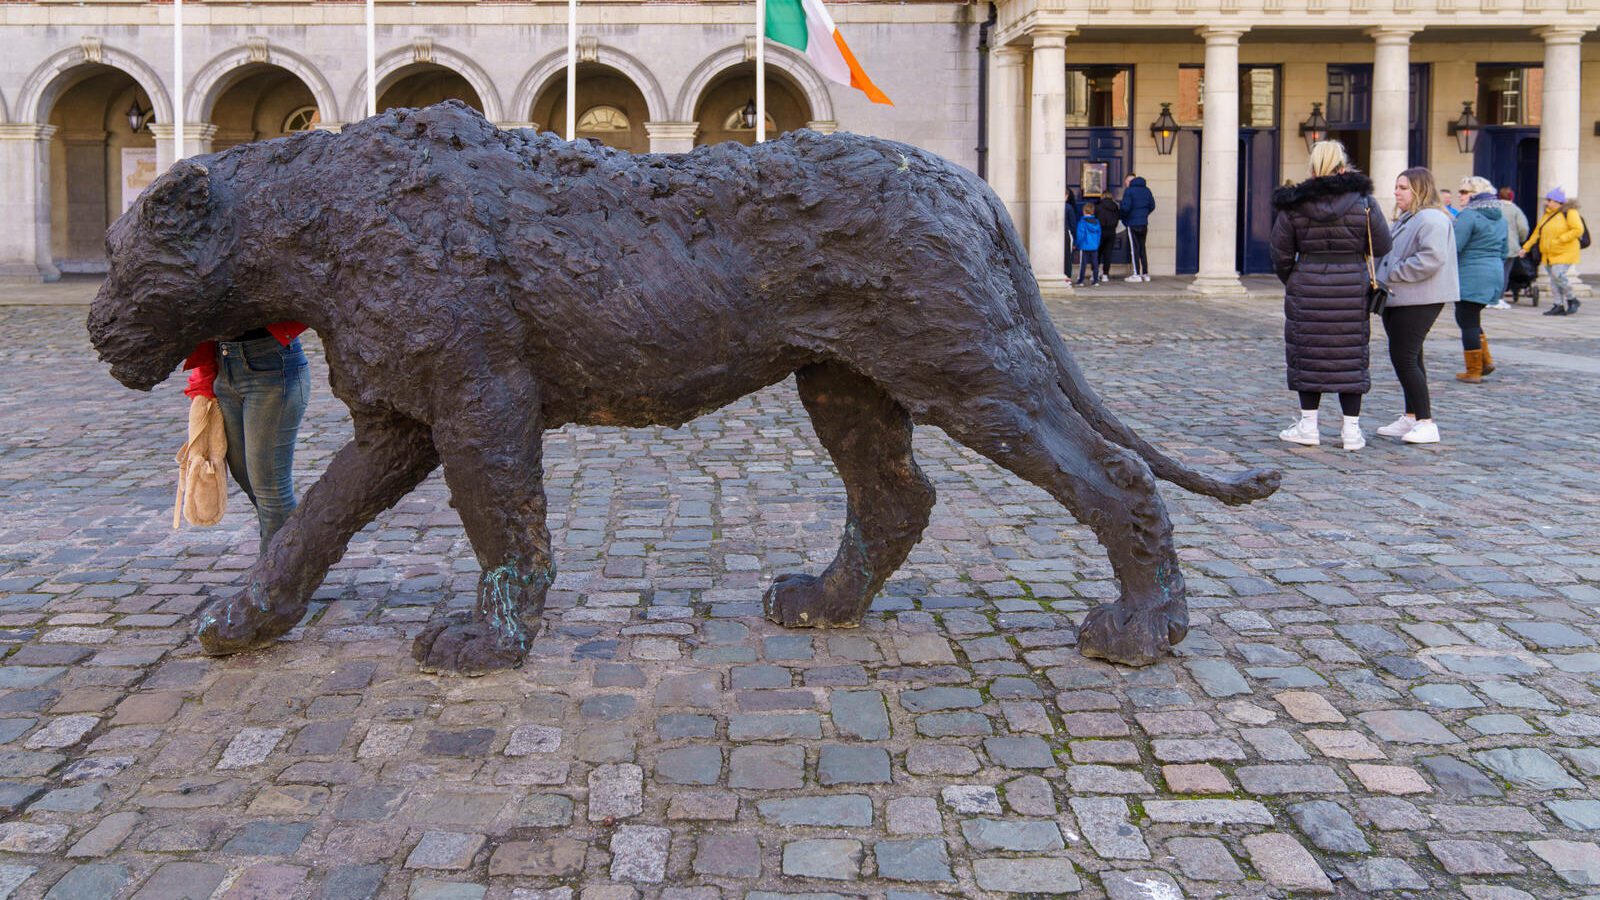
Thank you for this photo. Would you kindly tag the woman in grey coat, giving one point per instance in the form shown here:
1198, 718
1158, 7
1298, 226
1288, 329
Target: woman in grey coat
1421, 275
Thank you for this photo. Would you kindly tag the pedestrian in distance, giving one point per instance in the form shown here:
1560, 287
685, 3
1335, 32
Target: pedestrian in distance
1559, 237
1326, 233
1420, 273
1088, 246
1110, 215
1516, 233
1481, 231
1138, 202
1072, 222
261, 384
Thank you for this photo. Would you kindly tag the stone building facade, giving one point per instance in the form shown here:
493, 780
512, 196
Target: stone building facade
1045, 96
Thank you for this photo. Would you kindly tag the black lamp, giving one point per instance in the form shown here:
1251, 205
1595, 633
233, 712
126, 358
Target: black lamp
1314, 129
1466, 129
748, 114
1165, 130
137, 118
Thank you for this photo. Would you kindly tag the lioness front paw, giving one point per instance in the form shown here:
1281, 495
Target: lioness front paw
463, 646
242, 622
1134, 636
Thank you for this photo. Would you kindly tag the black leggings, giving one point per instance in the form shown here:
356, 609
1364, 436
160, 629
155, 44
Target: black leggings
1349, 404
1407, 328
1141, 259
1470, 317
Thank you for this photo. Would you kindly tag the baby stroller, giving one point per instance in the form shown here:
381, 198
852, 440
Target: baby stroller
1524, 278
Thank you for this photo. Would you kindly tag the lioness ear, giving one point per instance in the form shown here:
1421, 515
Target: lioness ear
183, 191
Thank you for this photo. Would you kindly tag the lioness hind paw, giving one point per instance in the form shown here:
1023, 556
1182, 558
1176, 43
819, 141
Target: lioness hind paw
461, 646
799, 601
1133, 636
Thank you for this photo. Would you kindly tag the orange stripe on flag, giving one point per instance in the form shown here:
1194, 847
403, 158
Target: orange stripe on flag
858, 77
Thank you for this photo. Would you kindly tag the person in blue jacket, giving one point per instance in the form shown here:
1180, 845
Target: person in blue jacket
1138, 202
1088, 234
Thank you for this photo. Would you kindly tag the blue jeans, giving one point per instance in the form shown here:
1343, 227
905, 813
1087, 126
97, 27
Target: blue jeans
262, 388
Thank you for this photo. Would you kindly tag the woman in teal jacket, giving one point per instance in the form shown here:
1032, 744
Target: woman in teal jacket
1480, 253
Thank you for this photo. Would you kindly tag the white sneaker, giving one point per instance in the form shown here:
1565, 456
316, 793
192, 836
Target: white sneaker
1144, 277
1423, 433
1133, 278
1353, 438
1399, 427
1500, 304
1301, 432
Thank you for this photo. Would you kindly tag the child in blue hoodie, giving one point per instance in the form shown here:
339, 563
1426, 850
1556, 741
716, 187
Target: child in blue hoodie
1088, 246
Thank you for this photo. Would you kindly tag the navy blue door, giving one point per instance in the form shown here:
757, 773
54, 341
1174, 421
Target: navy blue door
1258, 176
1111, 146
1509, 157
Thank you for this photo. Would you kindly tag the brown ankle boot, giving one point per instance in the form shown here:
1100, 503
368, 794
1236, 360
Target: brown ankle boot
1488, 361
1474, 372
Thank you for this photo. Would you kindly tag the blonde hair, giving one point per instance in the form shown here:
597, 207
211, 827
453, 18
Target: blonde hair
1477, 184
1328, 158
1423, 188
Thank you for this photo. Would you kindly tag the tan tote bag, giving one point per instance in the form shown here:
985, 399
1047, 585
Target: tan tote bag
202, 467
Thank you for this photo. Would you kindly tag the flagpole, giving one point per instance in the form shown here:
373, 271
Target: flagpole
761, 70
372, 58
177, 80
572, 69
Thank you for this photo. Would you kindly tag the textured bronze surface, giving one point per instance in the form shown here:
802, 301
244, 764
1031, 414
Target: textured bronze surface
474, 287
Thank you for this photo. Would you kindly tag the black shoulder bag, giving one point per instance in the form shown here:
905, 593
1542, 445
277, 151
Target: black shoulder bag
1377, 294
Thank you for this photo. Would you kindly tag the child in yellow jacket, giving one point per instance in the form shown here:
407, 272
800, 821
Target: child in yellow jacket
1557, 236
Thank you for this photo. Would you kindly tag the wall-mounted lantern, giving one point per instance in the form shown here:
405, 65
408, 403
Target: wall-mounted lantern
1466, 129
1165, 130
138, 118
1314, 129
748, 114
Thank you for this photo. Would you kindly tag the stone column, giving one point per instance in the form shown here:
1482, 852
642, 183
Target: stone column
671, 137
1562, 133
823, 126
197, 137
25, 204
1391, 110
1219, 165
1047, 163
1005, 127
334, 127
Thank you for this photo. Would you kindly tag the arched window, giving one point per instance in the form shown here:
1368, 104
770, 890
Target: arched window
604, 118
302, 119
735, 122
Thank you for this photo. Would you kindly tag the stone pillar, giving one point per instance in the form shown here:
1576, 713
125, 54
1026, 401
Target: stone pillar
1562, 133
823, 126
197, 138
1005, 126
25, 204
1391, 110
335, 127
671, 137
1047, 163
1219, 165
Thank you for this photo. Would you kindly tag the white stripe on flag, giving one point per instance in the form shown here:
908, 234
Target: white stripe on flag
820, 47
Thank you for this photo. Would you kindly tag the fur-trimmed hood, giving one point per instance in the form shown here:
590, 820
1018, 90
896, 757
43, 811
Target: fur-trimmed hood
1328, 189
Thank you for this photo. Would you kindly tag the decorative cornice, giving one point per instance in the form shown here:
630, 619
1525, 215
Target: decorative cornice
26, 131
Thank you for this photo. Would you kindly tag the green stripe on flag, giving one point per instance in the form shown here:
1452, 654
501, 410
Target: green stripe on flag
786, 23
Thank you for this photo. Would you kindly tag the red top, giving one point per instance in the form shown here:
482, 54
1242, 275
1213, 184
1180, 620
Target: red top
203, 361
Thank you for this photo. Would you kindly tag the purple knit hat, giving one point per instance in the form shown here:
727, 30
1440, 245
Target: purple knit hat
1556, 194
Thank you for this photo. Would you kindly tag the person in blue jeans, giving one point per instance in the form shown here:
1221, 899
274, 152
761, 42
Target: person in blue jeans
261, 383
1088, 246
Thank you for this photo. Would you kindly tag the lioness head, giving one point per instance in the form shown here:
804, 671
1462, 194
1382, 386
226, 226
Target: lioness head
166, 278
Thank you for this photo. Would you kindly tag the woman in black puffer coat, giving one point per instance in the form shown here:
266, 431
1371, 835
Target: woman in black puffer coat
1319, 250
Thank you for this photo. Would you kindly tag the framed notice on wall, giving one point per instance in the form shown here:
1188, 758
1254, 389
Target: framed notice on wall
1092, 178
138, 170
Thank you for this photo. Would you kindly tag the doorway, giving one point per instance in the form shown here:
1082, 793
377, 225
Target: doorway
1258, 178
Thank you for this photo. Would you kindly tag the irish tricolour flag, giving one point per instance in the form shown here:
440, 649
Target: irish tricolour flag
806, 26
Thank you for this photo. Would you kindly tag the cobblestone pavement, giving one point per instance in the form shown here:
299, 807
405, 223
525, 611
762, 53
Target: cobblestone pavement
1391, 685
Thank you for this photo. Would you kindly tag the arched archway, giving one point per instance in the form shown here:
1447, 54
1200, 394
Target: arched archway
725, 97
554, 66
780, 59
222, 74
611, 108
65, 68
98, 162
263, 102
424, 84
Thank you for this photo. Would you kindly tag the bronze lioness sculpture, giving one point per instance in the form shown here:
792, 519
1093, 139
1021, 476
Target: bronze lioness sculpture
474, 287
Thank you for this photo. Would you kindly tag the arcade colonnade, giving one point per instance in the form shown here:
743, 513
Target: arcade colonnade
1073, 93
651, 78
